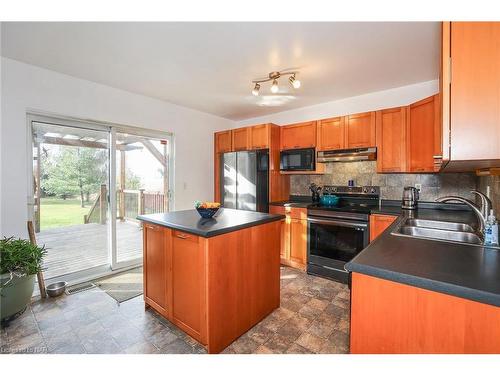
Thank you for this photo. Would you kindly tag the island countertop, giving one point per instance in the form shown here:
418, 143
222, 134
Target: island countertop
226, 220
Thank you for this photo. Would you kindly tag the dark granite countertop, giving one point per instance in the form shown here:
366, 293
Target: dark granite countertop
462, 270
226, 220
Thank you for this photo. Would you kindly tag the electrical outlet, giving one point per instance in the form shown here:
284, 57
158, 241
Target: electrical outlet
419, 188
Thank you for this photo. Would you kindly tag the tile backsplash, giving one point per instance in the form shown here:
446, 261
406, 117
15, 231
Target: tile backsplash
391, 185
494, 183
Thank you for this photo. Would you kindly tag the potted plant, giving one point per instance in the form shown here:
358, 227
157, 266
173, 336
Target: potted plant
20, 261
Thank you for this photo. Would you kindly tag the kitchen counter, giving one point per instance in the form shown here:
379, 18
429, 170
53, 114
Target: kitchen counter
225, 221
462, 270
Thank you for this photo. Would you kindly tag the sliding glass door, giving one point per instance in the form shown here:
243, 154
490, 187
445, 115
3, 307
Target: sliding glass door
90, 182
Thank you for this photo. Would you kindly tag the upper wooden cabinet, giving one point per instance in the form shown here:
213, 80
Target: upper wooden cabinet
302, 135
241, 139
330, 134
223, 141
391, 140
472, 94
423, 132
260, 136
360, 130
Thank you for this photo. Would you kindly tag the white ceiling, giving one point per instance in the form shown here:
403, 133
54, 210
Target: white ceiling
210, 66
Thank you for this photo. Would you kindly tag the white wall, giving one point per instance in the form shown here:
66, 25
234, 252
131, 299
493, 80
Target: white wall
363, 103
28, 87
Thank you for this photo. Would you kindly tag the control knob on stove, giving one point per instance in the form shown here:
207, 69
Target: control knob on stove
365, 190
334, 189
373, 190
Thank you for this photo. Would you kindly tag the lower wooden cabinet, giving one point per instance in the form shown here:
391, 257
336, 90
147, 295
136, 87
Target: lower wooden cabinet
155, 266
392, 318
293, 229
379, 223
188, 281
175, 261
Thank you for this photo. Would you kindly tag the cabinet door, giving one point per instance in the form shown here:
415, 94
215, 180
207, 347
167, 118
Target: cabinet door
260, 136
188, 283
301, 135
360, 130
379, 223
475, 90
331, 134
155, 265
223, 142
240, 139
391, 140
298, 241
423, 124
284, 231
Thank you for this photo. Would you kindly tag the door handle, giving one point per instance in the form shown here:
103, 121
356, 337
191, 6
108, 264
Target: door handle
182, 236
152, 227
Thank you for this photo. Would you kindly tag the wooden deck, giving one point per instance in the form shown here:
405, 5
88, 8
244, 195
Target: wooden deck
79, 247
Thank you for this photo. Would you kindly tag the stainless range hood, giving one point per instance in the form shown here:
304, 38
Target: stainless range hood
352, 154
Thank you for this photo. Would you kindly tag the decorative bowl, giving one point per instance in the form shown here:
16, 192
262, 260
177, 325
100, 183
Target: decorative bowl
56, 289
207, 213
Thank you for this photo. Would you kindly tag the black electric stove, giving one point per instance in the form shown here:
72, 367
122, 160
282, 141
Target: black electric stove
337, 233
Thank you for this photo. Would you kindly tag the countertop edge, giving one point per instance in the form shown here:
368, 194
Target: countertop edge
427, 284
213, 233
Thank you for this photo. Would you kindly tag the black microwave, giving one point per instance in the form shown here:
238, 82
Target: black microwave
297, 159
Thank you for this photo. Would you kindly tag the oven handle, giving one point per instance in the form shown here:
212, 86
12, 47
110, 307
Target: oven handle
340, 223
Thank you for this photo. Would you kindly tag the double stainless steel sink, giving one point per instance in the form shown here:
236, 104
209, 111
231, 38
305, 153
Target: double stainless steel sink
438, 230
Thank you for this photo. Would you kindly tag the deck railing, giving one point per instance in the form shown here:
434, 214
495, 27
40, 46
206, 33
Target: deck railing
130, 203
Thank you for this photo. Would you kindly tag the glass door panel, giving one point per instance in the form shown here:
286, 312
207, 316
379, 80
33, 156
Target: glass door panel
70, 179
142, 186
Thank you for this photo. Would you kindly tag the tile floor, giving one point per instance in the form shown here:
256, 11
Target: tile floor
313, 318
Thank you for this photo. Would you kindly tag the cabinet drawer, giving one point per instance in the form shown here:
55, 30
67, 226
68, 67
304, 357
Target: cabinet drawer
185, 236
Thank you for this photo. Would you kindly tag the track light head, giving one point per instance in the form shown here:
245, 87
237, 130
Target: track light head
274, 86
256, 89
294, 81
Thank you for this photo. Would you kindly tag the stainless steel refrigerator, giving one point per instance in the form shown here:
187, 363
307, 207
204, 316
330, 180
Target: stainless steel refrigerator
245, 180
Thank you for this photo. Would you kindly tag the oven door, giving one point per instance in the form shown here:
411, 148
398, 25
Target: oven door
333, 242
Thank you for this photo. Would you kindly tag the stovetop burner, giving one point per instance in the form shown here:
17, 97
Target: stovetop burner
360, 199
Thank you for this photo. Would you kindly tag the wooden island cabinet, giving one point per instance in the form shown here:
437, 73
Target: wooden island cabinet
213, 288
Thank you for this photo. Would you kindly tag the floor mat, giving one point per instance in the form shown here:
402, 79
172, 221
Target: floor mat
122, 286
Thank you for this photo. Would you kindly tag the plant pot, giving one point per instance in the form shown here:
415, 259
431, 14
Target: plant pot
16, 295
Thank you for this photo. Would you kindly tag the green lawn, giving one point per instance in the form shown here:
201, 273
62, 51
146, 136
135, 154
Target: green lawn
57, 212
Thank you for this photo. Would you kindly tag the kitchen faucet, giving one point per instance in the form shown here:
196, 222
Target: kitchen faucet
486, 204
481, 212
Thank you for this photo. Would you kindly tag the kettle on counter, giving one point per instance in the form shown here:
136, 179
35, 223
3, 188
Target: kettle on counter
410, 198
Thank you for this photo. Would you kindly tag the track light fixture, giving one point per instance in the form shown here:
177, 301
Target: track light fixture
256, 89
294, 81
274, 76
274, 87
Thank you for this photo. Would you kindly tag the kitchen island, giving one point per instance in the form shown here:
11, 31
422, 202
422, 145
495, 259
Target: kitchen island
213, 278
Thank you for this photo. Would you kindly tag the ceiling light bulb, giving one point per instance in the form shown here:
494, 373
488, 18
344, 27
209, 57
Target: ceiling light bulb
274, 87
256, 89
294, 82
